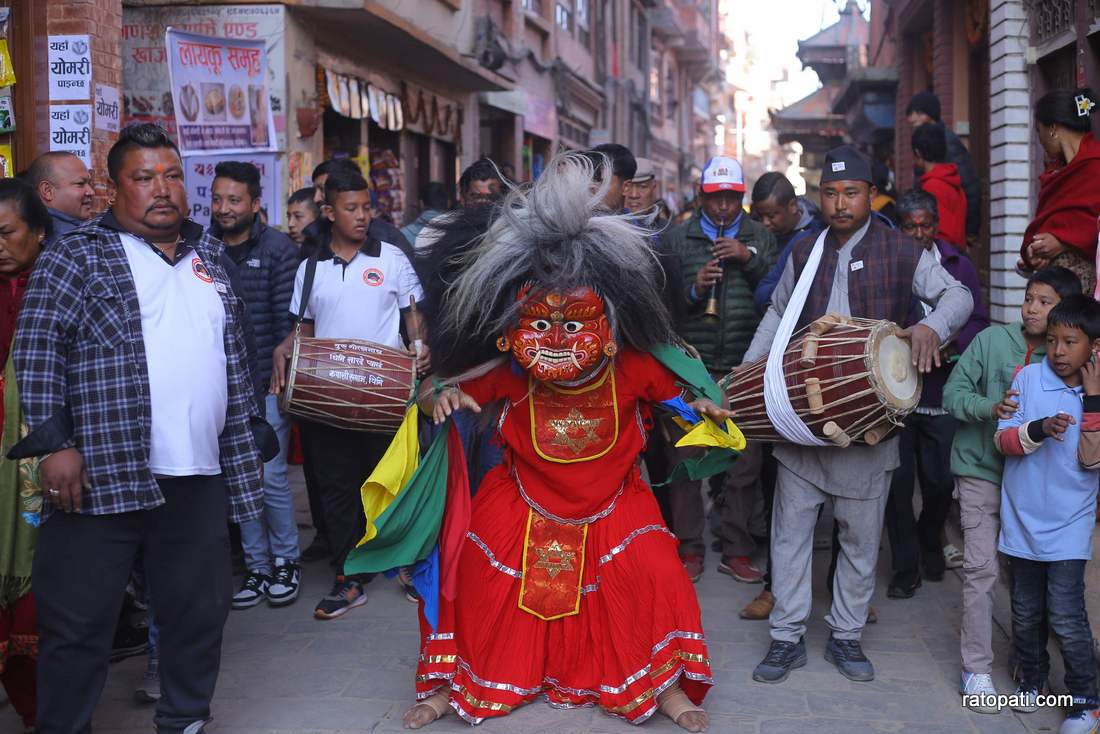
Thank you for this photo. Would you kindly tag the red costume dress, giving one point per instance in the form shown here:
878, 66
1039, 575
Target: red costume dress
571, 586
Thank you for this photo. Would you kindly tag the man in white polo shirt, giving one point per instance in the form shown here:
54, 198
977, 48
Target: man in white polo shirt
361, 290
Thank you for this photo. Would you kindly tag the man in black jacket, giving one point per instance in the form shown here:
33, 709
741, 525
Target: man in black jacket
266, 261
924, 108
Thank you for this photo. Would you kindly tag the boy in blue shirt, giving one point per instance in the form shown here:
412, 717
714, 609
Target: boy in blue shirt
1048, 506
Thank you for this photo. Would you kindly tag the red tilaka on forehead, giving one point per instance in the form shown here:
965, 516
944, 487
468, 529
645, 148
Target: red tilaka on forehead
159, 168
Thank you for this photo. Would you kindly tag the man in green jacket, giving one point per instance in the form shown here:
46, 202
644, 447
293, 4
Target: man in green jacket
722, 255
975, 394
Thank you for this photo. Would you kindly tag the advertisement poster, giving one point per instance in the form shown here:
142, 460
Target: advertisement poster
107, 110
198, 175
70, 68
71, 130
219, 93
147, 93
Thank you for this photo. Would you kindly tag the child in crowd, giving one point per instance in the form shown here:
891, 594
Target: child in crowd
975, 394
1048, 500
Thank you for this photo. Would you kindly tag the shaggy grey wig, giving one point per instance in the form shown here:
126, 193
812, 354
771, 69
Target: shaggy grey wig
557, 235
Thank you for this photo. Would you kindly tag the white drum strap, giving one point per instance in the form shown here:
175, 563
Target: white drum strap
777, 399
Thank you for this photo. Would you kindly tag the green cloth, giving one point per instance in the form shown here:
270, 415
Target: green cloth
409, 527
696, 378
693, 374
977, 383
20, 502
721, 343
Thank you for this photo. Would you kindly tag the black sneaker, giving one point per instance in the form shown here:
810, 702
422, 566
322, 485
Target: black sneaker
318, 550
253, 590
283, 589
129, 641
346, 594
848, 657
782, 658
404, 577
903, 585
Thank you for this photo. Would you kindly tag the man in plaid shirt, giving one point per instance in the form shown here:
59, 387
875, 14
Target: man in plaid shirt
135, 379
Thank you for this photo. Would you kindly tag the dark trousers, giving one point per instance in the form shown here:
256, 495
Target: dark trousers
341, 461
81, 566
925, 449
316, 511
1052, 592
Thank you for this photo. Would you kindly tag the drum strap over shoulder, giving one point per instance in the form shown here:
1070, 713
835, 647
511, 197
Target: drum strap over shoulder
777, 397
307, 289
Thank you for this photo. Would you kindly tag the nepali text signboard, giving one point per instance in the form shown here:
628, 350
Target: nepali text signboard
107, 110
198, 175
219, 93
146, 91
71, 130
69, 60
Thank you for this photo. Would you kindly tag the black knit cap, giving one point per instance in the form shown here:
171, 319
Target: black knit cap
845, 163
925, 102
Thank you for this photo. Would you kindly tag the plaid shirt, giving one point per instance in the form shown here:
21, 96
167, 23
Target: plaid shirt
84, 382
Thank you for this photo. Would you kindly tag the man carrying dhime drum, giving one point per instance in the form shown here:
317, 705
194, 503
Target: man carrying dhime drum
360, 289
857, 268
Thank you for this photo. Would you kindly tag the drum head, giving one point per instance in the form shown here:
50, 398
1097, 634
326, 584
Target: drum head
898, 380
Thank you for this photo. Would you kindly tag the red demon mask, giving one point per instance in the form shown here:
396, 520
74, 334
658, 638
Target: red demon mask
560, 336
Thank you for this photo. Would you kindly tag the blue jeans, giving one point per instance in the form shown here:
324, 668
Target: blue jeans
1055, 590
274, 534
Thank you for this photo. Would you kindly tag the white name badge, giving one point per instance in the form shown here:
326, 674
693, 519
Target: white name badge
220, 288
857, 265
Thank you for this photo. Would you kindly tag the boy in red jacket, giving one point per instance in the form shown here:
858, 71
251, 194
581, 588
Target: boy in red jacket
941, 180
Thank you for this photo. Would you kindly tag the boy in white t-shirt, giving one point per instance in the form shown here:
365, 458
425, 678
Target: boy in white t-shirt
361, 290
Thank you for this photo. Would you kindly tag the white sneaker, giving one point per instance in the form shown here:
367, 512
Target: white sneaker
952, 556
253, 590
283, 588
1029, 700
979, 684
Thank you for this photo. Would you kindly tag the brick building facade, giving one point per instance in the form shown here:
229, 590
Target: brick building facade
32, 23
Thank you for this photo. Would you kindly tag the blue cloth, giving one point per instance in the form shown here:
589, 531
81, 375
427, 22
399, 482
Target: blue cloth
482, 452
80, 361
425, 578
1048, 502
710, 229
680, 407
274, 534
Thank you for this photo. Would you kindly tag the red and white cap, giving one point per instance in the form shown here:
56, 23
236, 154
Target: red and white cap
722, 174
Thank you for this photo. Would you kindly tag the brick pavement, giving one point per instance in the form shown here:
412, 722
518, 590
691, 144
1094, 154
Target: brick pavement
284, 672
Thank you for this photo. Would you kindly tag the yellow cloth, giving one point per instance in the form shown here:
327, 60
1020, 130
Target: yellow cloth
709, 433
392, 473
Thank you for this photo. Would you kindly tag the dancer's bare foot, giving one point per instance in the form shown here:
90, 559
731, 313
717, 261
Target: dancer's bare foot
430, 709
693, 721
675, 704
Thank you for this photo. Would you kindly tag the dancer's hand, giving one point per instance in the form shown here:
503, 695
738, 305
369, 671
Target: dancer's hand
450, 400
710, 410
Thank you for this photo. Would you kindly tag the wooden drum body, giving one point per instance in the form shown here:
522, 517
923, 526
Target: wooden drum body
349, 384
848, 379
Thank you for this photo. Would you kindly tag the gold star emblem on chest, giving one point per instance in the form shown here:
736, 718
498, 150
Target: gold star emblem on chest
553, 559
574, 432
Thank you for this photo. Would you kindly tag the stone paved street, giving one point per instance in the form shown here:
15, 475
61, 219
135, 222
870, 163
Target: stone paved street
284, 672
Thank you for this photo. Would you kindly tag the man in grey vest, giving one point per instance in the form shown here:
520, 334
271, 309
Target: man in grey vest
870, 271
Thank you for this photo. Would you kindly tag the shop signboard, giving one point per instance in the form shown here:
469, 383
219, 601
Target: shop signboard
69, 61
71, 130
107, 109
147, 93
219, 93
198, 175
